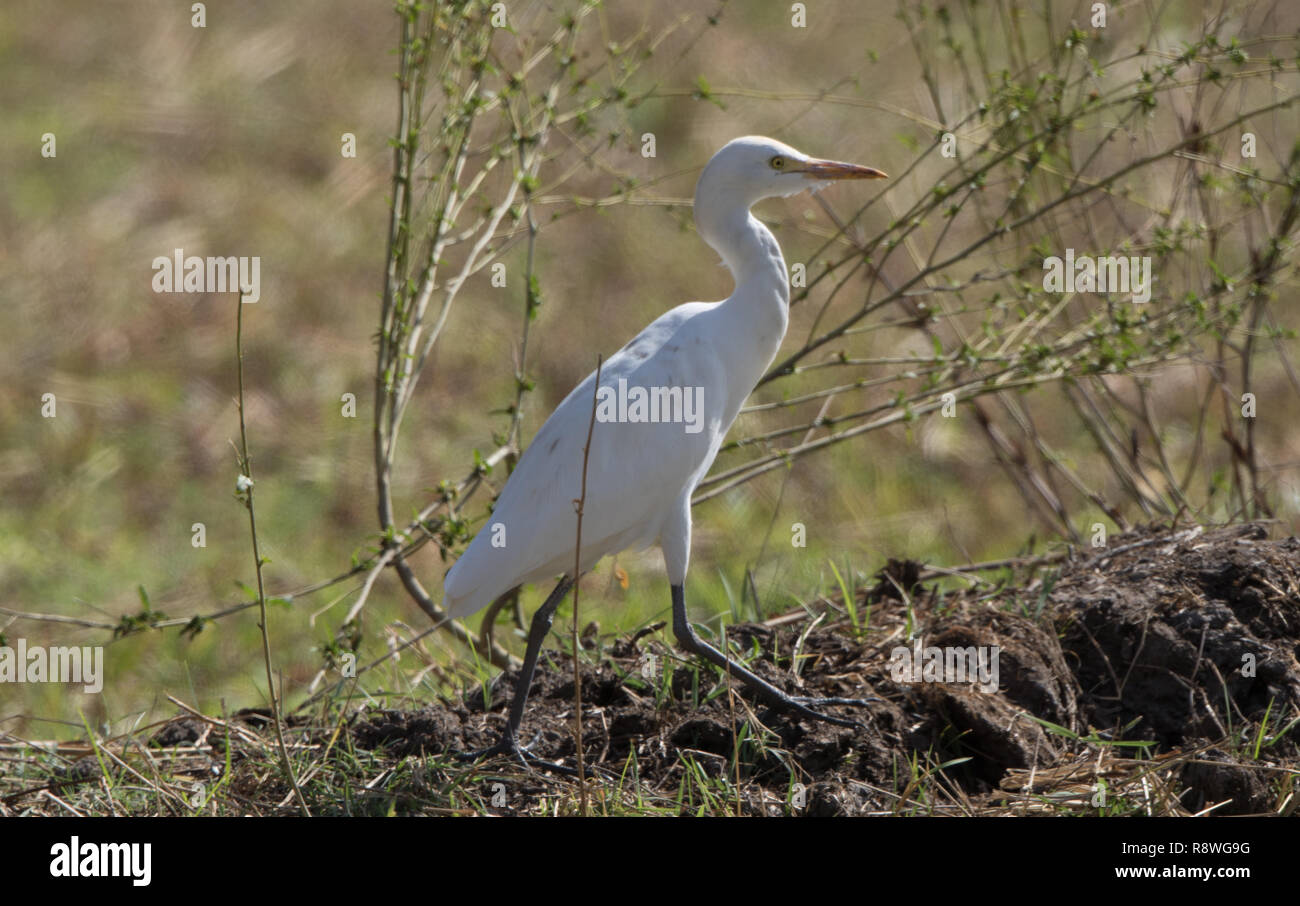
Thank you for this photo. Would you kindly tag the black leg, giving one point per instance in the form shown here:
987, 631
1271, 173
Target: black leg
762, 689
509, 742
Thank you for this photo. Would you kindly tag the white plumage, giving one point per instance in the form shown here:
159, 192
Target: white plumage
640, 476
636, 475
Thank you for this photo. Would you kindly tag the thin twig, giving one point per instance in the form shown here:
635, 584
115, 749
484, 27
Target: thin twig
245, 493
577, 583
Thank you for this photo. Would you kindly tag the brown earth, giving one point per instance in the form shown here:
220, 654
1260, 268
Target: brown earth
1183, 640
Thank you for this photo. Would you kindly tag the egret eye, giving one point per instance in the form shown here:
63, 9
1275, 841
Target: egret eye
777, 163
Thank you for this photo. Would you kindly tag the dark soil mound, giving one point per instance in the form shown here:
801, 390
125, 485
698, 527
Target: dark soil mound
1156, 675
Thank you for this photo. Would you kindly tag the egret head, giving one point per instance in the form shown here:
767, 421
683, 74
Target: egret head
749, 169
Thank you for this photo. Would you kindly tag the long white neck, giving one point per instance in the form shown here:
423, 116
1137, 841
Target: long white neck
748, 248
755, 315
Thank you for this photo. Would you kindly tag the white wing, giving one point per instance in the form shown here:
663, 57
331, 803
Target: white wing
636, 473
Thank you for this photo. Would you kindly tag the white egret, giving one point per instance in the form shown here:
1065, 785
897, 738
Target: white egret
701, 356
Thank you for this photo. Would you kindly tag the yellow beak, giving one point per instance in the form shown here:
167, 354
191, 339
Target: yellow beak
833, 169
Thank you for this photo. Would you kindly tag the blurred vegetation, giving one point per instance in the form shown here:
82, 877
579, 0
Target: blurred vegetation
225, 140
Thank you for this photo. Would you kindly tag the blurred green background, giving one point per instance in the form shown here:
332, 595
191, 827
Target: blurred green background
225, 140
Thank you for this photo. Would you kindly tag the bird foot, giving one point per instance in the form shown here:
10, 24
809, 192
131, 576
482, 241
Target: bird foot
509, 747
804, 706
852, 702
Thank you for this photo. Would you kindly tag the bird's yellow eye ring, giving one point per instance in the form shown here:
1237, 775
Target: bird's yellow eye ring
777, 163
